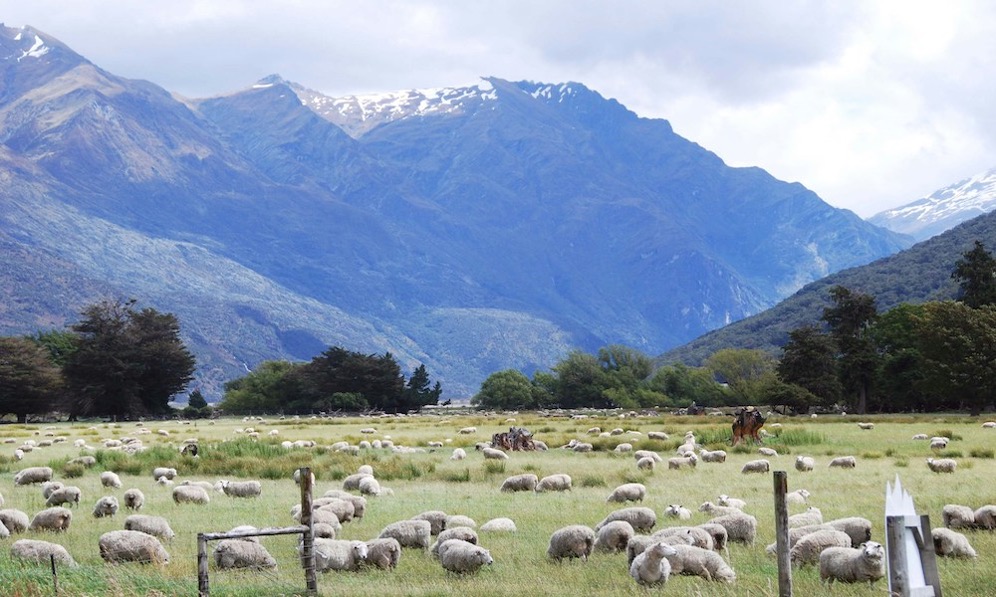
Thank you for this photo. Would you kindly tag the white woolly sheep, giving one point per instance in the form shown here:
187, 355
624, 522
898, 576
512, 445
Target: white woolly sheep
920, 436
628, 492
156, 526
458, 454
134, 499
719, 535
352, 482
756, 466
682, 461
190, 494
459, 520
241, 489
343, 509
955, 516
65, 495
938, 443
467, 430
86, 461
798, 533
132, 546
678, 511
848, 564
409, 533
799, 496
162, 471
41, 552
110, 479
807, 549
770, 452
436, 518
15, 521
985, 517
811, 516
383, 553
105, 506
652, 567
843, 462
804, 464
574, 541
614, 536
688, 535
207, 485
462, 533
462, 557
740, 527
236, 553
33, 474
951, 544
555, 482
859, 529
942, 465
523, 482
359, 502
685, 449
641, 454
242, 528
338, 554
499, 525
866, 425
646, 463
712, 456
989, 425
642, 519
715, 510
695, 561
583, 447
623, 448
370, 486
725, 500
51, 519
657, 435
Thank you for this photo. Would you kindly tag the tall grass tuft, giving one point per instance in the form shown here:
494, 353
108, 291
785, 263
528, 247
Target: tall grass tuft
982, 453
592, 481
494, 467
800, 437
461, 476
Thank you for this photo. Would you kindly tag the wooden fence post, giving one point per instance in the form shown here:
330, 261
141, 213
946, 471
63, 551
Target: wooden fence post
782, 536
308, 538
203, 590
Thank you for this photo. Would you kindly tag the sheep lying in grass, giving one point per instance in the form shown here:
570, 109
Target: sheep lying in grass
336, 554
409, 533
105, 506
499, 525
714, 510
652, 566
955, 516
756, 466
677, 511
799, 496
574, 541
641, 519
740, 527
556, 482
13, 520
237, 553
32, 475
156, 526
719, 535
811, 516
132, 546
695, 561
41, 552
942, 465
523, 482
849, 564
951, 544
241, 489
804, 464
807, 550
843, 462
383, 553
614, 536
725, 500
628, 492
51, 519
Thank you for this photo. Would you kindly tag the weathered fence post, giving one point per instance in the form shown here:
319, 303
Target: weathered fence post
203, 590
55, 576
782, 536
308, 538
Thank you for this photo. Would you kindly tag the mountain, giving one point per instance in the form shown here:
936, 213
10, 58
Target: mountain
915, 275
943, 209
471, 229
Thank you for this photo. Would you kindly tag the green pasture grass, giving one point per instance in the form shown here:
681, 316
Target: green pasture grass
431, 481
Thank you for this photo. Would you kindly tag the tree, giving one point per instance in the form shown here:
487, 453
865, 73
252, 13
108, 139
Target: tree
809, 361
581, 381
901, 373
849, 320
264, 389
506, 390
746, 371
127, 362
359, 381
682, 385
417, 392
976, 275
59, 344
29, 381
197, 407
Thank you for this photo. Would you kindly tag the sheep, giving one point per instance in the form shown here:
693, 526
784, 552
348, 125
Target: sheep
297, 472
641, 454
920, 436
41, 552
756, 466
938, 443
207, 485
725, 500
770, 452
190, 494
462, 557
804, 464
458, 454
243, 528
715, 510
985, 517
49, 487
866, 425
370, 486
344, 510
132, 546
110, 479
696, 536
134, 499
652, 566
467, 430
574, 541
614, 536
859, 529
628, 492
685, 449
524, 482
236, 553
847, 564
951, 544
799, 496
740, 527
409, 533
942, 465
14, 520
383, 553
241, 489
989, 425
105, 506
352, 482
32, 475
695, 561
459, 520
338, 554
162, 471
646, 464
462, 533
86, 461
843, 462
156, 526
798, 533
556, 482
359, 502
51, 519
808, 548
436, 518
499, 525
719, 535
678, 462
678, 511
623, 448
811, 516
657, 435
955, 516
65, 495
712, 456
642, 519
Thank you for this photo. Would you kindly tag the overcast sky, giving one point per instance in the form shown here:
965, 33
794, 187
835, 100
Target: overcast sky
870, 104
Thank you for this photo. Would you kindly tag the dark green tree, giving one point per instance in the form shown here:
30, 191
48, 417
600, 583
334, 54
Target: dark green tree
506, 390
29, 382
683, 385
376, 379
266, 389
809, 361
976, 275
746, 371
581, 382
849, 319
197, 406
59, 344
901, 373
418, 392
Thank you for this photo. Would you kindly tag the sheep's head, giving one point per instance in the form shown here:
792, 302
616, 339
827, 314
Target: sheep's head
870, 550
359, 550
663, 550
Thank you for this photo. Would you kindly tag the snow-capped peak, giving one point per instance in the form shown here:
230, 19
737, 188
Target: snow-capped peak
37, 49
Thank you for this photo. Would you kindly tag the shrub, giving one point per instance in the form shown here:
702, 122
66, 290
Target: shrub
982, 453
461, 476
73, 470
592, 481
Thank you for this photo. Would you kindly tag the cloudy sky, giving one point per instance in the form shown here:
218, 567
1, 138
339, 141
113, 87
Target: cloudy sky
872, 104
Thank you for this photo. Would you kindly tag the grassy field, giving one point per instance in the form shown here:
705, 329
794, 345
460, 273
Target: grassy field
431, 481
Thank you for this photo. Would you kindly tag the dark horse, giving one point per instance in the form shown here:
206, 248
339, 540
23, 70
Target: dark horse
747, 422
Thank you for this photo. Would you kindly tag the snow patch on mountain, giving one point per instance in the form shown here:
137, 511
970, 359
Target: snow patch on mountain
37, 49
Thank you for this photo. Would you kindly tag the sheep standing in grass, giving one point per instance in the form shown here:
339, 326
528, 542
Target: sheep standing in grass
652, 566
859, 529
843, 462
740, 527
756, 466
190, 494
848, 564
677, 511
494, 454
942, 465
499, 525
985, 517
110, 479
682, 461
712, 456
134, 499
32, 475
951, 544
156, 526
105, 506
628, 492
461, 557
336, 554
41, 552
524, 482
807, 549
556, 482
575, 541
132, 546
241, 489
614, 536
695, 561
51, 519
436, 518
646, 463
237, 553
641, 519
409, 533
163, 472
458, 454
811, 516
462, 533
804, 464
370, 486
65, 495
383, 553
955, 516
13, 520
